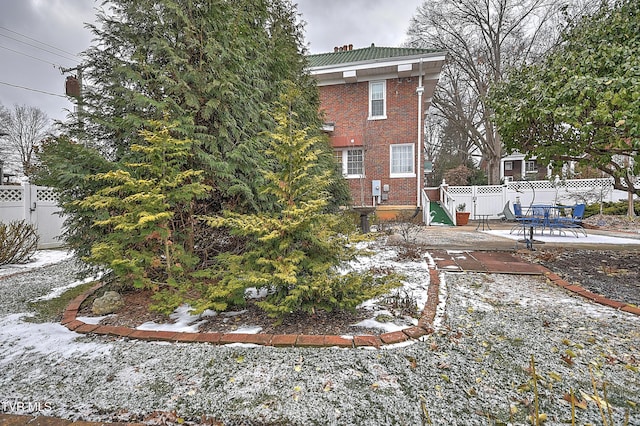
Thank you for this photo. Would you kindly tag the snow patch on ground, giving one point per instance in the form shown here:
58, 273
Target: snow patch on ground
58, 291
40, 259
19, 338
183, 321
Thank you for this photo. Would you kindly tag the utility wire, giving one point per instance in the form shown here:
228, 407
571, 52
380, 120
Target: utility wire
33, 90
38, 41
38, 47
29, 56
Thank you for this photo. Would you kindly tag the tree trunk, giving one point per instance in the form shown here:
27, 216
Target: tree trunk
493, 169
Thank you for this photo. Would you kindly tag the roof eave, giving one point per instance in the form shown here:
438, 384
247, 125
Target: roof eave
396, 67
373, 63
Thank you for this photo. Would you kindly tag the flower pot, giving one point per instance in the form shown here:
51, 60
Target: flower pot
462, 218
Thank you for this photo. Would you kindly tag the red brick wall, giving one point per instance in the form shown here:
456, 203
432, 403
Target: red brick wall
347, 106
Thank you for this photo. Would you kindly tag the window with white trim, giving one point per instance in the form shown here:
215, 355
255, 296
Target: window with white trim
351, 162
377, 100
508, 165
530, 166
402, 160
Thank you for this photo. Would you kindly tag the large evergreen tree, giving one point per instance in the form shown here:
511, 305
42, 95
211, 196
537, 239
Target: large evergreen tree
176, 124
214, 67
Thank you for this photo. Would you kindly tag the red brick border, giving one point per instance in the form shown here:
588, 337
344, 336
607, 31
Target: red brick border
598, 298
69, 320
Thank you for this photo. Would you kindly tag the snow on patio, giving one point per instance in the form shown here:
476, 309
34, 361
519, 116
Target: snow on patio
568, 238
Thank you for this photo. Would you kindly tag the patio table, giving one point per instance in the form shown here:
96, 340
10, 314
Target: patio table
549, 217
483, 220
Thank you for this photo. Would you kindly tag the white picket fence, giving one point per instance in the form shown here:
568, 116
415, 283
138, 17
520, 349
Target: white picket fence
491, 199
38, 206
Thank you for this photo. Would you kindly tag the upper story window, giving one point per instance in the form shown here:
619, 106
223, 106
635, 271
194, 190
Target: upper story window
377, 100
402, 160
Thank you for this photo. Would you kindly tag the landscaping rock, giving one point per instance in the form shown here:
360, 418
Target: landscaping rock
109, 303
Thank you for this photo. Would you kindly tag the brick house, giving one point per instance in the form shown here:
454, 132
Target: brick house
374, 101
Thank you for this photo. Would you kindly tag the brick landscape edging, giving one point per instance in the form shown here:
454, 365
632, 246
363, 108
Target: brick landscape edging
424, 327
598, 298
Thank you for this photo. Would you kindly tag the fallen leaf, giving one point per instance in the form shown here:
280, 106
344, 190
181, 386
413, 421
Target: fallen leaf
555, 376
542, 417
572, 399
412, 362
601, 402
327, 386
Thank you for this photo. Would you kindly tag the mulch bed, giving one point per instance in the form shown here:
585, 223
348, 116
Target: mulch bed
137, 310
614, 274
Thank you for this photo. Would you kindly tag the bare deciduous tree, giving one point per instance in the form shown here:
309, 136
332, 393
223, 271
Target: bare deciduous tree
484, 38
24, 127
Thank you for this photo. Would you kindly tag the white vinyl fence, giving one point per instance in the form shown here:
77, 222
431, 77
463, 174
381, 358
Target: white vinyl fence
491, 199
37, 205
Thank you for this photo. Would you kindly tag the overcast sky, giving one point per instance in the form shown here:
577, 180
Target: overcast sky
37, 37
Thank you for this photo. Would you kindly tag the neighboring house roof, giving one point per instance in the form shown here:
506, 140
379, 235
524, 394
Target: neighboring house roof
348, 65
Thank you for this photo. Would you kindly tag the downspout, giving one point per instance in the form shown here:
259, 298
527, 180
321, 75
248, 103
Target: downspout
419, 170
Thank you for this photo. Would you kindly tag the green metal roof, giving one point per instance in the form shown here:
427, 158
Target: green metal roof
366, 54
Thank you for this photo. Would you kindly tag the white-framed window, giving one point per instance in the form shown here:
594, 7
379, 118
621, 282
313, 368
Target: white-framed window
351, 162
530, 166
508, 165
377, 100
402, 160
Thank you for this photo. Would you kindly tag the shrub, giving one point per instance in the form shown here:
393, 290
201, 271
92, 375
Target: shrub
18, 242
615, 209
295, 251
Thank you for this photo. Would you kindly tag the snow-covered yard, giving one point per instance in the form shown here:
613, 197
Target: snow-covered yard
472, 369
